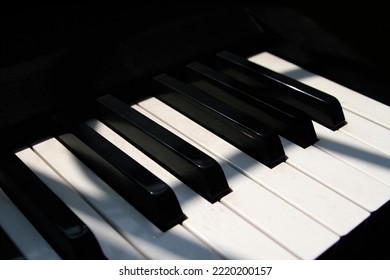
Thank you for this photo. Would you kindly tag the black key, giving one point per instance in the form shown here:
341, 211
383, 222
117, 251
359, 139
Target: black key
321, 107
9, 250
196, 169
65, 232
141, 188
250, 136
289, 122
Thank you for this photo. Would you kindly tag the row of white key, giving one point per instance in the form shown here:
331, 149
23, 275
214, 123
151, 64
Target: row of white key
308, 195
268, 213
328, 190
211, 223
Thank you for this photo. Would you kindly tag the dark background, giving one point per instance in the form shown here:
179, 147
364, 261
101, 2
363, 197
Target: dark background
363, 25
30, 31
51, 55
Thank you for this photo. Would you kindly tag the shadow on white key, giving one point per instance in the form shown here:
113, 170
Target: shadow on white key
337, 175
275, 217
367, 132
29, 241
355, 153
111, 242
311, 197
177, 243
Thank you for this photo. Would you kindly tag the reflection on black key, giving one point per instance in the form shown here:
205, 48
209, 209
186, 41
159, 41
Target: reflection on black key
250, 136
321, 107
196, 169
8, 251
289, 122
141, 188
65, 232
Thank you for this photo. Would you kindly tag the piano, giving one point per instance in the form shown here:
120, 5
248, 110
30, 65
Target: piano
171, 131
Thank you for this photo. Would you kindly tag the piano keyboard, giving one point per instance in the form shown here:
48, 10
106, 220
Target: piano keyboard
302, 208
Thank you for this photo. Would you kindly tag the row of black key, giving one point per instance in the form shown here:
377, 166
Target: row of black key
249, 105
224, 104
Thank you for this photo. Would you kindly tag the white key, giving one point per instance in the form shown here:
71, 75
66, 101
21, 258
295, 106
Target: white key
111, 242
337, 175
367, 132
284, 223
177, 243
319, 202
223, 230
355, 153
349, 99
29, 241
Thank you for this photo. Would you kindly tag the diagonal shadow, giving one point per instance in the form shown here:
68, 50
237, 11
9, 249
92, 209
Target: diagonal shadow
350, 151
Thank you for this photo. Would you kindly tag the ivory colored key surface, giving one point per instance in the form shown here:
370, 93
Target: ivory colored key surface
112, 243
25, 236
349, 99
368, 132
340, 177
176, 243
222, 229
355, 153
275, 217
319, 202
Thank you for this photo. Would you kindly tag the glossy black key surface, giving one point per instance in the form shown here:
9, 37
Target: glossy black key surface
141, 188
247, 134
289, 122
64, 231
320, 106
9, 250
196, 169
